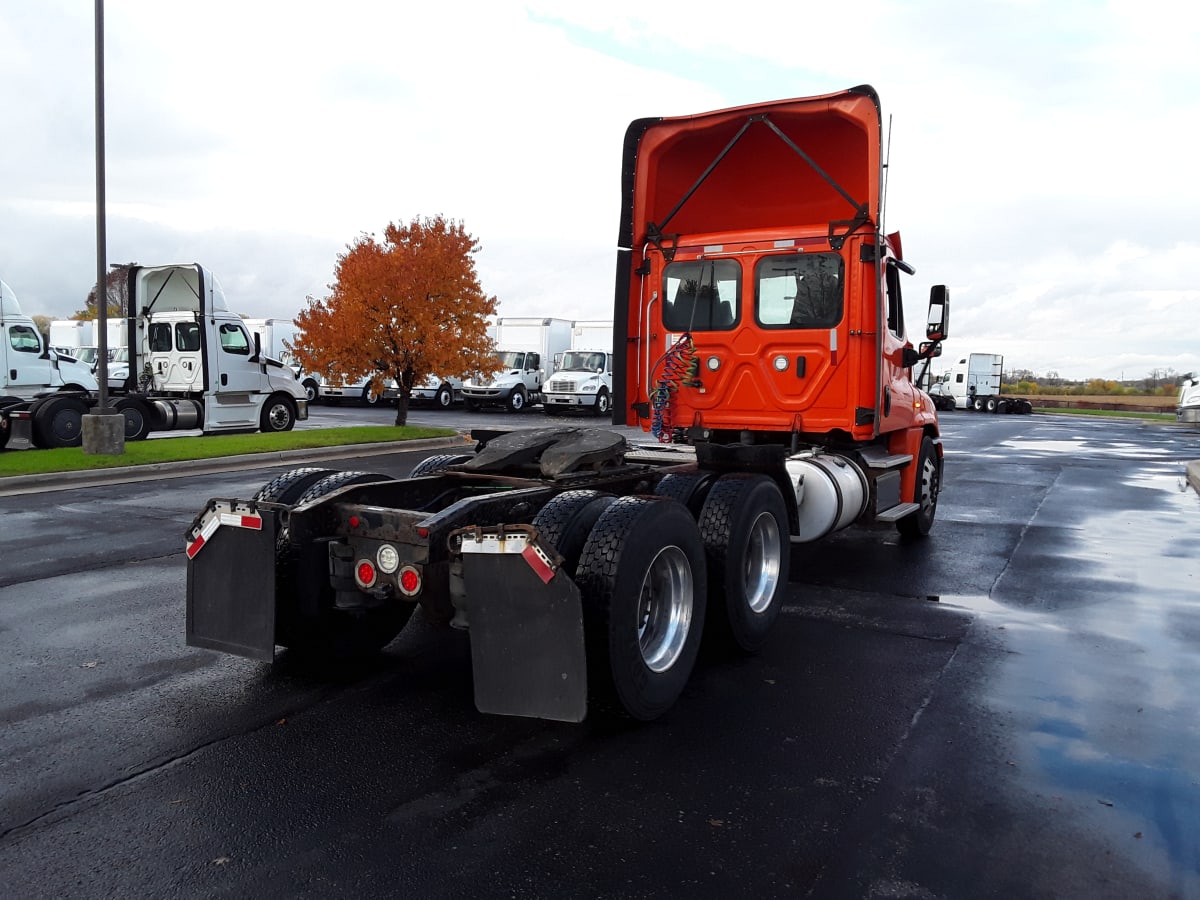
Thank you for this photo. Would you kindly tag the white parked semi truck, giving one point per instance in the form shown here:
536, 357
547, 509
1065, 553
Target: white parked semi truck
586, 569
974, 383
582, 379
526, 348
192, 365
29, 366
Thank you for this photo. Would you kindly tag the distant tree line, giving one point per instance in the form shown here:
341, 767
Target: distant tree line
1158, 383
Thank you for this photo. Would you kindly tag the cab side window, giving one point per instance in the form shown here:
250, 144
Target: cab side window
24, 339
234, 340
895, 308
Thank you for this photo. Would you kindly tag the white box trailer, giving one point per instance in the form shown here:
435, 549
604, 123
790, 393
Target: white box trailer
582, 379
526, 348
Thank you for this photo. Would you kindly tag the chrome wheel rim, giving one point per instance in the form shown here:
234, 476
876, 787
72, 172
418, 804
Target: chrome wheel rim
665, 609
279, 416
763, 555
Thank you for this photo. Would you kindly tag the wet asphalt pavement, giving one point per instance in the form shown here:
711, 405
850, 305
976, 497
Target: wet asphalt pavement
1007, 709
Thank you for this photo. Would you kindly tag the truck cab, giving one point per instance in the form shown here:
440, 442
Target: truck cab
28, 366
199, 361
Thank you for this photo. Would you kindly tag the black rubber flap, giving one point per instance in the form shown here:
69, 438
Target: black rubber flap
231, 592
526, 639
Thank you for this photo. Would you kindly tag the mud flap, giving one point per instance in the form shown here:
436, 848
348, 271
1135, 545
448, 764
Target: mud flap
20, 435
526, 627
231, 580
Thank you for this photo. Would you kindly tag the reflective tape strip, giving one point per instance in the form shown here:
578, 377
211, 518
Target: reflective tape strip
210, 525
237, 521
214, 521
539, 562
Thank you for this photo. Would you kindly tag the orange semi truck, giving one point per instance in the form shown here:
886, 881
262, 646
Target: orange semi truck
759, 336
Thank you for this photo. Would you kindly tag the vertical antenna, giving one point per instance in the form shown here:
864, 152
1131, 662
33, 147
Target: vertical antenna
887, 159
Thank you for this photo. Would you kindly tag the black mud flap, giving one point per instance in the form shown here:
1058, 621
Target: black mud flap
526, 627
231, 580
20, 435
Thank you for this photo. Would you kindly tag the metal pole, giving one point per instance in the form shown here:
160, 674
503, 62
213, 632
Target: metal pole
101, 250
103, 429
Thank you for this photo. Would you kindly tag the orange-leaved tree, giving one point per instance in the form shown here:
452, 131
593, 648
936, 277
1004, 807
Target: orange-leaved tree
401, 309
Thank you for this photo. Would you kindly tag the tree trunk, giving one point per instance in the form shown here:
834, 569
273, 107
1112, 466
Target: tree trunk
402, 405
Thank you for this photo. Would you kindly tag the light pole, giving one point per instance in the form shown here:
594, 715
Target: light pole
103, 427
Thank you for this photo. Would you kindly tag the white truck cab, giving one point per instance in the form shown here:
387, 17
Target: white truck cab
199, 361
29, 366
582, 382
526, 351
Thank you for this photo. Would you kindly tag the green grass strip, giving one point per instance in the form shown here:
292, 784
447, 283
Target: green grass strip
1110, 413
160, 450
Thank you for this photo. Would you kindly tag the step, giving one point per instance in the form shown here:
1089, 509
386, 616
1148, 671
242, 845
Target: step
897, 512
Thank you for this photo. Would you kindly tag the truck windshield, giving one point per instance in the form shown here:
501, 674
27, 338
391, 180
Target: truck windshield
575, 361
511, 360
799, 290
701, 295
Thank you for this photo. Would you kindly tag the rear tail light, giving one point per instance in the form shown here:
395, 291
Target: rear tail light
409, 579
364, 573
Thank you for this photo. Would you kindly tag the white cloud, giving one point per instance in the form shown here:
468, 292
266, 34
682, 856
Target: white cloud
1040, 161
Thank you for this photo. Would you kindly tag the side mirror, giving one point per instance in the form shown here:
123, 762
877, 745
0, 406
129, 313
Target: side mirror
930, 349
257, 348
938, 321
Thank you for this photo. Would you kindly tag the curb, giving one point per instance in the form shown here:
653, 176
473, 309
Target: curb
58, 481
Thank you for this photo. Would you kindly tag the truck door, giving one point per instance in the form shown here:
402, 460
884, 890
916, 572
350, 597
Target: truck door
237, 383
27, 364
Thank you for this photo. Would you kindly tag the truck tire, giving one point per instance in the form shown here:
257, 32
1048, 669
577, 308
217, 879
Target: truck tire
432, 463
744, 526
288, 486
58, 422
369, 399
566, 521
444, 398
138, 417
977, 404
333, 635
990, 404
278, 414
929, 475
641, 577
312, 389
517, 400
603, 405
1026, 408
690, 490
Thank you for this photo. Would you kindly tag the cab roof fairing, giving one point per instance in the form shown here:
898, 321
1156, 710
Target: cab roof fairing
175, 288
696, 174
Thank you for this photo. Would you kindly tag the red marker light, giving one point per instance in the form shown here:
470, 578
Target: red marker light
354, 521
410, 580
364, 573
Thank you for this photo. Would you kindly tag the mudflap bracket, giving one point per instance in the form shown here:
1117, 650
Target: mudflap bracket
526, 625
231, 579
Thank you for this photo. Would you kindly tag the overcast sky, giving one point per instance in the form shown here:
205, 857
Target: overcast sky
1043, 155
